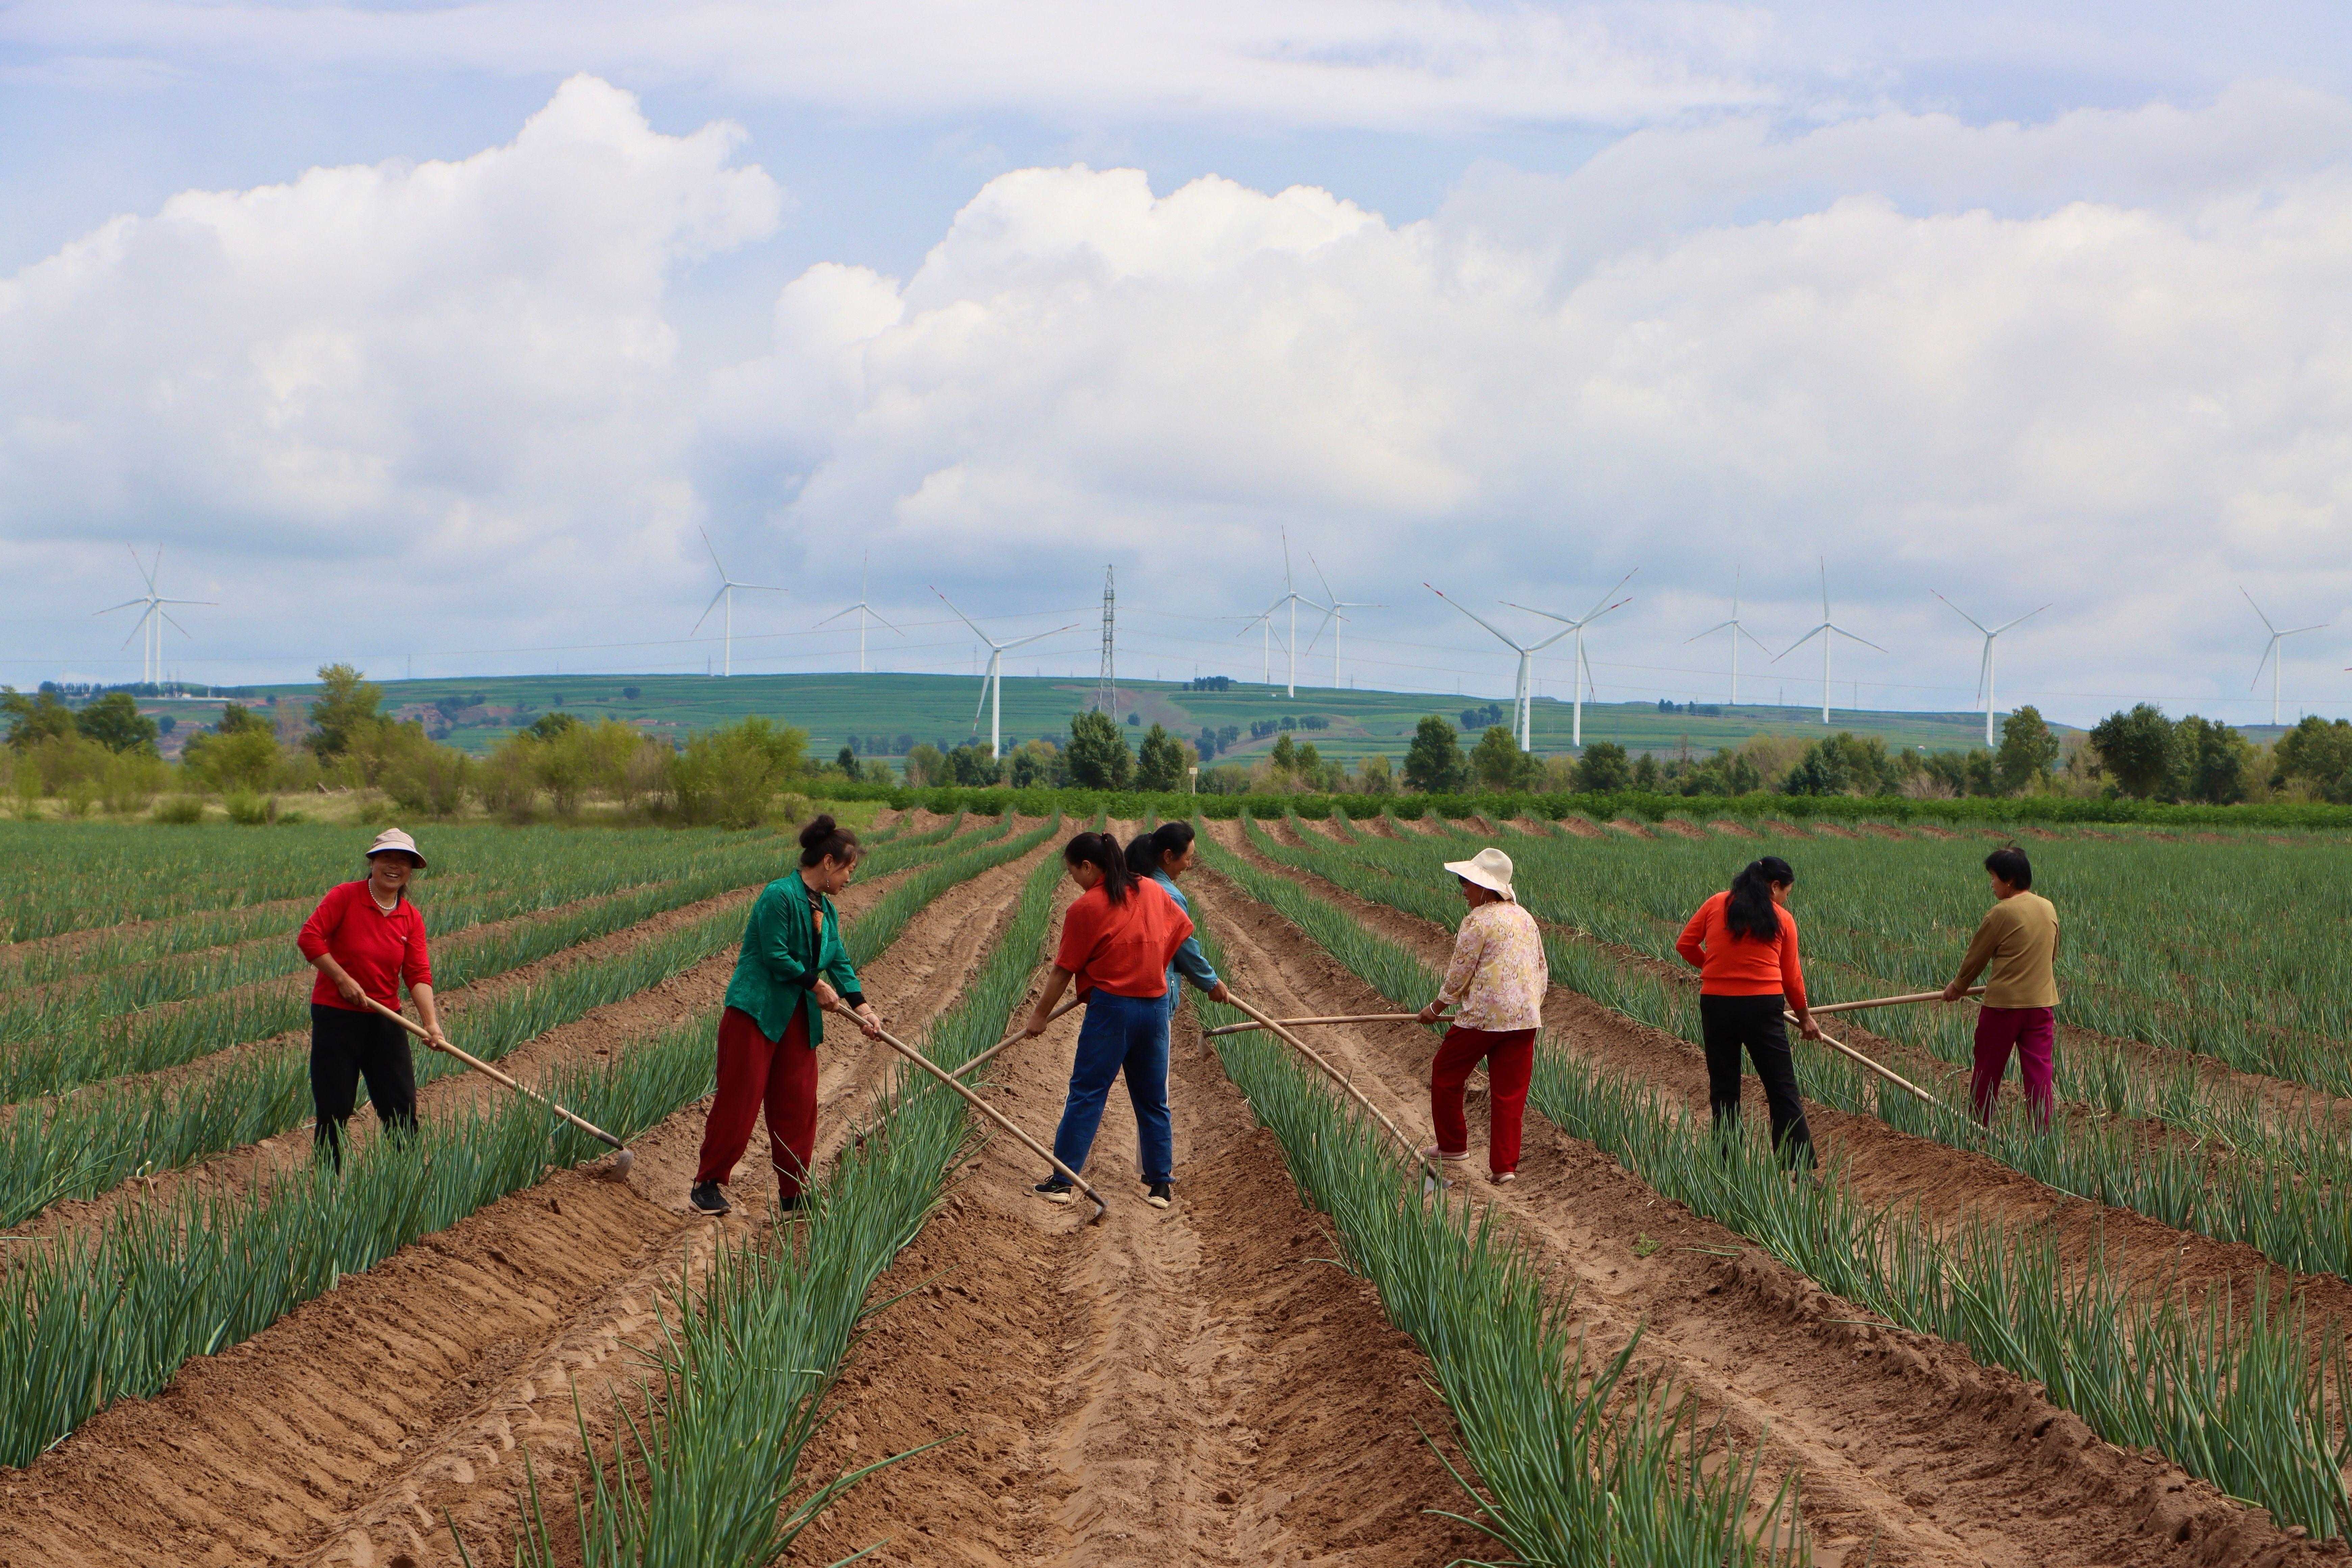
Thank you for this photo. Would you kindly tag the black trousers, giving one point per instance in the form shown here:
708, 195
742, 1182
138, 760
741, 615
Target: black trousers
345, 1047
1730, 1023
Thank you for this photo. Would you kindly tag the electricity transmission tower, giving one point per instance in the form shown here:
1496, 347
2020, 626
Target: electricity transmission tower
1107, 685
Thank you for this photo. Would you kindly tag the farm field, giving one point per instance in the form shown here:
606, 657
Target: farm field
939, 708
480, 1348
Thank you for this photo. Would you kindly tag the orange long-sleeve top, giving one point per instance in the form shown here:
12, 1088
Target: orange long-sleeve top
1729, 964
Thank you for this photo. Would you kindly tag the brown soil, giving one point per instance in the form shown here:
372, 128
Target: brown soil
1880, 830
1626, 825
1682, 829
1832, 831
1187, 1387
1784, 829
1910, 1450
1732, 830
1534, 826
342, 1433
1925, 830
1580, 827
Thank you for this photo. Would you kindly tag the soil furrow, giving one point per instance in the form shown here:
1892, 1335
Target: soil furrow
1910, 1451
1188, 1386
342, 1433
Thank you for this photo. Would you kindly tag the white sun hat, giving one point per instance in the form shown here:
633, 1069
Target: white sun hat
1489, 869
392, 838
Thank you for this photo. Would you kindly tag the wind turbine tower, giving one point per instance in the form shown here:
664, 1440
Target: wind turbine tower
1332, 616
151, 619
1294, 598
1828, 631
992, 688
1738, 631
1522, 705
860, 609
727, 586
1579, 672
1985, 665
2272, 653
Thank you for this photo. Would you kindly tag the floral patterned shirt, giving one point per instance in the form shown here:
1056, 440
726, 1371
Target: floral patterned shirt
1497, 972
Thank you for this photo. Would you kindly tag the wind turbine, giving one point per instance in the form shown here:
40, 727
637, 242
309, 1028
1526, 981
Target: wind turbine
1828, 631
1580, 670
2271, 655
992, 688
1738, 631
727, 586
1294, 598
1522, 715
1985, 667
1332, 618
861, 610
151, 619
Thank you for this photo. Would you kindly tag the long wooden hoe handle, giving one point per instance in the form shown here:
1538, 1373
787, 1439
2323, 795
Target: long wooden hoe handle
940, 1073
1017, 1034
1892, 1001
1428, 1165
1889, 1074
1334, 1018
495, 1075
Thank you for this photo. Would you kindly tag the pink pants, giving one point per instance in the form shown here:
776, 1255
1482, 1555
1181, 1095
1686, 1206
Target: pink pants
2032, 1031
1510, 1058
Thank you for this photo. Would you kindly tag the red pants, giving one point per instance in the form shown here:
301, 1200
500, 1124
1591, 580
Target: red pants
2030, 1032
1510, 1061
754, 1069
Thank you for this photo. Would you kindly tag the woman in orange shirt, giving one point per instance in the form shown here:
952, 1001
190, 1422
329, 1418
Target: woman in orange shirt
1118, 941
1744, 944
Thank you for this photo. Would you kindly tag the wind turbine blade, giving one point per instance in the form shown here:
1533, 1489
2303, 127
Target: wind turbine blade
762, 587
1972, 620
2020, 621
1322, 579
1287, 586
146, 571
212, 602
1751, 636
878, 620
1564, 631
967, 620
1331, 613
2258, 612
1800, 642
1249, 626
137, 627
1037, 636
839, 613
1850, 638
706, 609
1547, 614
2297, 631
1477, 618
174, 624
1983, 660
714, 550
2264, 662
124, 605
1709, 632
1596, 611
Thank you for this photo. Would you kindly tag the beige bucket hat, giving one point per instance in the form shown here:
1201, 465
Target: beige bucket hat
392, 838
1490, 868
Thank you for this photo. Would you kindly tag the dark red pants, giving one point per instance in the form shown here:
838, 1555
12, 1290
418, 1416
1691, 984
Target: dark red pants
1510, 1061
754, 1070
2032, 1033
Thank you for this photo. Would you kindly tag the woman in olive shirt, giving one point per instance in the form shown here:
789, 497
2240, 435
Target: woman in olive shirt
2019, 941
775, 1020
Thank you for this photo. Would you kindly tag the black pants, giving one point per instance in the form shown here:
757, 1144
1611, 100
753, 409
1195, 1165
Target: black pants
346, 1046
1732, 1023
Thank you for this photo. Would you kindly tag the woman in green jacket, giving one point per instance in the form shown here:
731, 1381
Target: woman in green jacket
793, 967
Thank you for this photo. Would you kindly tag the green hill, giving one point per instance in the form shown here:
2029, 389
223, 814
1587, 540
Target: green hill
900, 710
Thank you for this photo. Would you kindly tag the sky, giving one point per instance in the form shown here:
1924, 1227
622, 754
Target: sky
437, 338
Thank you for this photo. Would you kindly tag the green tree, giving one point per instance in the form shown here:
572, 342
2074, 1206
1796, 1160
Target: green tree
1433, 763
2215, 761
548, 726
1647, 775
2029, 752
36, 717
847, 763
115, 722
346, 711
1603, 769
1374, 775
1499, 764
1161, 764
2317, 753
236, 719
1822, 770
1099, 756
1728, 772
2138, 750
730, 776
974, 767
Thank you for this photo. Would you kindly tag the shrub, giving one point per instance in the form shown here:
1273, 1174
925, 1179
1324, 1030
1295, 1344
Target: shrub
181, 810
249, 809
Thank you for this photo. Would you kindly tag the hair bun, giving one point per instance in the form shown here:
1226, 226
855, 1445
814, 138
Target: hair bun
817, 832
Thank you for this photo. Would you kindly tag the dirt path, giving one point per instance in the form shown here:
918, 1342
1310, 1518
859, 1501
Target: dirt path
1911, 1452
342, 1433
1184, 1386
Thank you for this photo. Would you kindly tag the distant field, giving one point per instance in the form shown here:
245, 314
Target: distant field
939, 709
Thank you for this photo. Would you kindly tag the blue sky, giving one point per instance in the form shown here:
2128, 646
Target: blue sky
441, 333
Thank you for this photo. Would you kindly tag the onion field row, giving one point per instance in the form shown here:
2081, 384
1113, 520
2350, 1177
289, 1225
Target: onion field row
2226, 1388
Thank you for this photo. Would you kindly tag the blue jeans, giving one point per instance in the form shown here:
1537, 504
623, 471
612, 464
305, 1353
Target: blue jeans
1125, 1034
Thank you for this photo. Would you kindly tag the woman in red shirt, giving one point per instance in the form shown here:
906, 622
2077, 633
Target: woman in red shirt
364, 939
1744, 945
1118, 941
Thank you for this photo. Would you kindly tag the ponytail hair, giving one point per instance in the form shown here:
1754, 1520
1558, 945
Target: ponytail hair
825, 839
1750, 912
1101, 851
1147, 853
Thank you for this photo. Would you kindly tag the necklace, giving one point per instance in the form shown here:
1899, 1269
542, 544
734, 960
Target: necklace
380, 904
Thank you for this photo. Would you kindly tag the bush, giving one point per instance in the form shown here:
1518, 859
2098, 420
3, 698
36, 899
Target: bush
431, 781
729, 776
181, 810
249, 809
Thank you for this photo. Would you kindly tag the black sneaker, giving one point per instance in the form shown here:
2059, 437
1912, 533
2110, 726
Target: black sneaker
788, 1204
1161, 1194
1054, 1190
708, 1198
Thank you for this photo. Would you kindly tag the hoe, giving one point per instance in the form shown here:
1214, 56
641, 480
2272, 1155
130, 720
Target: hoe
618, 1171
